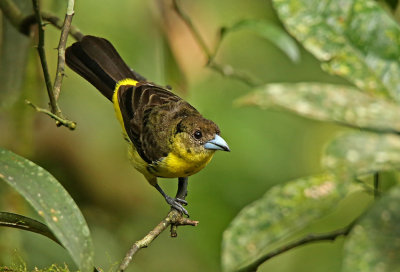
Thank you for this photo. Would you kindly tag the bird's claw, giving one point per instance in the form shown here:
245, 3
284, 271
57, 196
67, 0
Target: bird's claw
177, 203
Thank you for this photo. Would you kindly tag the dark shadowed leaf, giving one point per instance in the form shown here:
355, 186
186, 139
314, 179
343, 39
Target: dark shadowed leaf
374, 243
282, 211
52, 202
360, 153
328, 102
355, 39
270, 32
17, 221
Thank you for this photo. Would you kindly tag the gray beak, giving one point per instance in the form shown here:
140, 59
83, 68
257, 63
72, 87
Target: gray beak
217, 144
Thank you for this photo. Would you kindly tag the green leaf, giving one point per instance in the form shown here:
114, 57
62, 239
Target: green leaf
282, 211
17, 221
374, 243
270, 32
361, 153
52, 202
354, 39
328, 102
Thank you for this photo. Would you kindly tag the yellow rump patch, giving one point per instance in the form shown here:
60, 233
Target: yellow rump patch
124, 82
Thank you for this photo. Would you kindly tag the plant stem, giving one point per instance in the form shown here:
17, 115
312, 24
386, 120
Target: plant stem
61, 49
311, 238
42, 54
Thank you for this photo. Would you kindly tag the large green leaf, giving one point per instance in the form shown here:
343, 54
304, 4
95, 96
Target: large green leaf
52, 202
354, 39
328, 102
282, 211
374, 243
360, 153
269, 31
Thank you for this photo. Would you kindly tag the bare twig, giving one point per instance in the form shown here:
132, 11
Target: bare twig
53, 102
174, 218
29, 20
60, 121
61, 49
376, 185
224, 70
311, 238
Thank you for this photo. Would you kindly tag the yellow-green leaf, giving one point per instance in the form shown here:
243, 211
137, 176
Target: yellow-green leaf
282, 211
355, 39
328, 102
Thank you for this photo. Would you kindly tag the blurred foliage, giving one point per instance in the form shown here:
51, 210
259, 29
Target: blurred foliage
355, 42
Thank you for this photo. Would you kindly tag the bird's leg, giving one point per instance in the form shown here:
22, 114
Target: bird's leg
175, 203
182, 188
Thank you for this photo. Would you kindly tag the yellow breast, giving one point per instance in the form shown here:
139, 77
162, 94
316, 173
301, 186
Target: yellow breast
182, 161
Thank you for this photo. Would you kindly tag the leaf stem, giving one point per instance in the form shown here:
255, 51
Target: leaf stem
310, 238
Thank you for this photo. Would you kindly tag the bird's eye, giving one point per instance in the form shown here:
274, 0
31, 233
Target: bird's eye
197, 134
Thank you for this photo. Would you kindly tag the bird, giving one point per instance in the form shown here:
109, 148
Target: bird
167, 137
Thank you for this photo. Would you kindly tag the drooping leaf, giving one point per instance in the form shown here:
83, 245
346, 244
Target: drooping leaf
355, 39
328, 102
282, 211
360, 153
374, 243
270, 32
52, 202
17, 221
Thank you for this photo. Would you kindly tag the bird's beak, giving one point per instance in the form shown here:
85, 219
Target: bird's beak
217, 144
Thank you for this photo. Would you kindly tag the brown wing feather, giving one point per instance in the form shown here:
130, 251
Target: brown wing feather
149, 113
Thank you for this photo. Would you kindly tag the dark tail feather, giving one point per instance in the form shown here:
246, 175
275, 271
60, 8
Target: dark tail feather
98, 62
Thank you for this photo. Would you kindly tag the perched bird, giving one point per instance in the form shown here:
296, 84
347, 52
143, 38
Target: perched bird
167, 137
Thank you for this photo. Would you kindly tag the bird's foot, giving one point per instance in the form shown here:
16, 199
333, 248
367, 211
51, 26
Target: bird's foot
177, 204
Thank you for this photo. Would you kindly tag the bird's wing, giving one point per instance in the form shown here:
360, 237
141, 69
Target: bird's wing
146, 109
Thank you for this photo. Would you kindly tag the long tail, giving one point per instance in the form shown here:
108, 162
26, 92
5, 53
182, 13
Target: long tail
98, 62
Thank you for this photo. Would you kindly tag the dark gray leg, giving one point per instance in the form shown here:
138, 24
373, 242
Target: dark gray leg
175, 203
182, 188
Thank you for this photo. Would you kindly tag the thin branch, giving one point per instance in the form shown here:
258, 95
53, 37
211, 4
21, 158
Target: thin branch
376, 185
174, 218
59, 120
193, 29
311, 238
29, 20
23, 24
42, 54
61, 49
224, 70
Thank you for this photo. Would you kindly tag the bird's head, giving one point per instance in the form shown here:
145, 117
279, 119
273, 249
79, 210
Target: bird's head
197, 135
